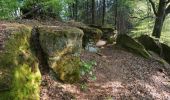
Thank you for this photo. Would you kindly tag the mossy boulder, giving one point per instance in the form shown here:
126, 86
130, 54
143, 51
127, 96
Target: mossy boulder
91, 34
149, 43
132, 45
19, 74
62, 45
108, 33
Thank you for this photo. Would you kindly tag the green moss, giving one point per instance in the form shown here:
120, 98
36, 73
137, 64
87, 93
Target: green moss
132, 45
60, 40
68, 68
21, 67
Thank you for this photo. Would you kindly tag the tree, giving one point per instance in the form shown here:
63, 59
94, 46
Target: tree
7, 8
93, 11
104, 11
161, 13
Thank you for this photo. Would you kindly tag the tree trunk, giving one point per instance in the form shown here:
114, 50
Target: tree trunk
116, 14
104, 11
159, 19
93, 11
158, 26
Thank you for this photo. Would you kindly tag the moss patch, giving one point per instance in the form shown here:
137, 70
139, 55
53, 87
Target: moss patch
68, 68
62, 46
21, 67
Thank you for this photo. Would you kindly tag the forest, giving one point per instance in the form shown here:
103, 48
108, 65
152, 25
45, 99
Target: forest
84, 49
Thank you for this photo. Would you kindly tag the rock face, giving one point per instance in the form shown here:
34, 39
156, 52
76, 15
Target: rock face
23, 51
166, 52
62, 45
149, 43
132, 45
91, 34
19, 73
108, 33
153, 45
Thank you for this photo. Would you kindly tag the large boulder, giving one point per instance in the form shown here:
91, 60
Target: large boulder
62, 45
19, 73
108, 33
91, 34
149, 43
166, 52
132, 45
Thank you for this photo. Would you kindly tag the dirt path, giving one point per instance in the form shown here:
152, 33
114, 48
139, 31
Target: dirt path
120, 76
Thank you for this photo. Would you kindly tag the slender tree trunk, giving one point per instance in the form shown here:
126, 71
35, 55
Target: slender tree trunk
87, 12
116, 14
93, 11
104, 11
76, 10
159, 19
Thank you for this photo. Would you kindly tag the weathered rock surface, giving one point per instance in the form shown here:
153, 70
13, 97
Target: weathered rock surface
91, 34
19, 73
108, 33
151, 44
62, 45
132, 45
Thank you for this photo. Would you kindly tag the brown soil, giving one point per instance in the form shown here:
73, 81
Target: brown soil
120, 76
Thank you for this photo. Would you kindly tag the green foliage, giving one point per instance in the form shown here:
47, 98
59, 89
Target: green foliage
87, 67
7, 8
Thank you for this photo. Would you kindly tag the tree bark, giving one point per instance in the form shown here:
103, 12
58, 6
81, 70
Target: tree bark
160, 18
104, 11
93, 11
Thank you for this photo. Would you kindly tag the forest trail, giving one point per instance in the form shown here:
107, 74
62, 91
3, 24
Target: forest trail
120, 75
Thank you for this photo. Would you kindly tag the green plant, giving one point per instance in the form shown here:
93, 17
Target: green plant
86, 69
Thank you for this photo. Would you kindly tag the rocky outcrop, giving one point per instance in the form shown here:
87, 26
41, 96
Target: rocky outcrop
26, 51
108, 33
62, 45
132, 45
91, 34
166, 52
151, 44
19, 73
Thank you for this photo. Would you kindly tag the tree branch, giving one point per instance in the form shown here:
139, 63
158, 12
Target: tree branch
167, 11
153, 7
168, 1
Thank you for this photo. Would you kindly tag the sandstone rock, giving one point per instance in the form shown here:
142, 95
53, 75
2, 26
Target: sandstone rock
62, 45
91, 34
101, 43
19, 73
166, 52
108, 33
149, 43
132, 45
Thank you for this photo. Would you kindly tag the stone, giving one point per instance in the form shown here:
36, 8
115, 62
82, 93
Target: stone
62, 45
149, 43
166, 52
101, 43
132, 45
19, 74
91, 34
